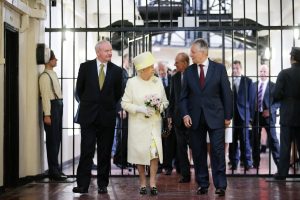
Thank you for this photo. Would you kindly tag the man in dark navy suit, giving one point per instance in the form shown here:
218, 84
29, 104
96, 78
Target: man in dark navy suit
287, 92
241, 119
206, 106
175, 119
263, 114
98, 88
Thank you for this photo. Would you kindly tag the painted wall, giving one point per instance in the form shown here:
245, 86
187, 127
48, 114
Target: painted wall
28, 17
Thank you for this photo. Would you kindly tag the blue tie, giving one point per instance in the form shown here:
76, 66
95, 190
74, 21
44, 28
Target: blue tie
164, 81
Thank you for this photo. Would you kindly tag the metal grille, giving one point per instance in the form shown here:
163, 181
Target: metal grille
252, 31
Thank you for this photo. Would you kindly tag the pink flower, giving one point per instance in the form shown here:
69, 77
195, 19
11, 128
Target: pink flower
153, 101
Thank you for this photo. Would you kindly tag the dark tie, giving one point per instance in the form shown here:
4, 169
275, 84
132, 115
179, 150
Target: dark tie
202, 78
101, 76
164, 81
260, 97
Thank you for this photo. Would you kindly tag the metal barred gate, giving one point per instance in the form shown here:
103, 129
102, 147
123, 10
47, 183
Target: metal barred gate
254, 32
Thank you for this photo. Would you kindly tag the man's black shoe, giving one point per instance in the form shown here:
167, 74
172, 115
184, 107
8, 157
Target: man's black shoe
185, 180
279, 177
233, 167
57, 177
80, 190
248, 167
202, 190
220, 191
102, 190
168, 172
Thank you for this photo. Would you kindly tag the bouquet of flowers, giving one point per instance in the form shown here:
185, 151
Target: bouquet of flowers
153, 101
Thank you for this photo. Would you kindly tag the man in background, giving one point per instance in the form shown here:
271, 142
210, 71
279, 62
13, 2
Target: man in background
263, 114
169, 142
175, 119
241, 119
52, 103
287, 92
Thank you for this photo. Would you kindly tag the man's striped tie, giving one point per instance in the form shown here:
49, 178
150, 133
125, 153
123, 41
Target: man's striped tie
260, 97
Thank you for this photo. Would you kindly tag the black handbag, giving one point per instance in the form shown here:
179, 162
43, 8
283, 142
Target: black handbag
165, 132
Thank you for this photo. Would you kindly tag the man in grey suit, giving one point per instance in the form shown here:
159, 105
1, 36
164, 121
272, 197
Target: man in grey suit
206, 106
287, 92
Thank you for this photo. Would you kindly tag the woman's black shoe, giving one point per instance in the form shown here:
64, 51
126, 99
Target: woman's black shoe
154, 191
143, 190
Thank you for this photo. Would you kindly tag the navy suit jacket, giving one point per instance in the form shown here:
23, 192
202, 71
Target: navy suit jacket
267, 101
242, 98
167, 89
215, 99
173, 109
95, 105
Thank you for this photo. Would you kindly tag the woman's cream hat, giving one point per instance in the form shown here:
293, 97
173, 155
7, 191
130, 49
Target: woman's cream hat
143, 60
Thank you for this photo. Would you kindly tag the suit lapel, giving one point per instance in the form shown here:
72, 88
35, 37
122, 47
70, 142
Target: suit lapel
242, 83
266, 95
107, 75
94, 73
178, 82
209, 74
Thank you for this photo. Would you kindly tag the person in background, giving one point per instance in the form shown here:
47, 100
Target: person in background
175, 119
169, 142
120, 156
144, 100
206, 106
263, 114
98, 89
287, 92
52, 103
228, 130
241, 119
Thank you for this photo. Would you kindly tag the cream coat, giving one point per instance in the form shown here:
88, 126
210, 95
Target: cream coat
141, 128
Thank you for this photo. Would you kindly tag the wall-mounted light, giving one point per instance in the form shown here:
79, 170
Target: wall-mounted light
267, 54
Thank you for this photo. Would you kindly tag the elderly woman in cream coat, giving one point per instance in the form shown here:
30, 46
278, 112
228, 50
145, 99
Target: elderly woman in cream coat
144, 123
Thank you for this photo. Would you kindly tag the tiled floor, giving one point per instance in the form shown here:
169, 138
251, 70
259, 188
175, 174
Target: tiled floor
241, 185
126, 188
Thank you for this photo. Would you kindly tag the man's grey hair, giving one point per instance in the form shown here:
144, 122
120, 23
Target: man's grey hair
201, 44
99, 43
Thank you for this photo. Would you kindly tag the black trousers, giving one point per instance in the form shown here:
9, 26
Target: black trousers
169, 150
242, 150
90, 135
199, 150
259, 122
120, 157
53, 136
182, 139
288, 134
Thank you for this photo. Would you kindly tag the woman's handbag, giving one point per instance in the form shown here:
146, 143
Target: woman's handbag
165, 132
